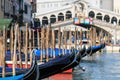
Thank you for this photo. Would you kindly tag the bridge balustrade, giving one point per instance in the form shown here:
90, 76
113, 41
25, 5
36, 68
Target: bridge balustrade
103, 23
59, 23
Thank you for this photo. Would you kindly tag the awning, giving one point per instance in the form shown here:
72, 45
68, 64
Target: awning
5, 22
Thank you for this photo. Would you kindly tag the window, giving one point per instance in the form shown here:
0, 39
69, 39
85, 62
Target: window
100, 2
51, 5
2, 5
118, 10
42, 6
56, 5
114, 10
48, 5
26, 9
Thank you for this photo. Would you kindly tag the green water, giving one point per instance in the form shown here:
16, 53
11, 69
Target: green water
103, 67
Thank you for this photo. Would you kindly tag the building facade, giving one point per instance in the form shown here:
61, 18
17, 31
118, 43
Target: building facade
33, 5
27, 14
107, 4
44, 6
116, 6
110, 5
1, 8
5, 8
94, 3
16, 9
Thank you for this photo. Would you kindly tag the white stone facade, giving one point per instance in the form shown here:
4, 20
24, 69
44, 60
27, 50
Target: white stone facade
94, 3
116, 6
44, 6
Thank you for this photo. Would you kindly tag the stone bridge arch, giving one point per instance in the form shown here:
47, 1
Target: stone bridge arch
91, 14
99, 16
114, 20
105, 16
52, 18
68, 14
81, 8
45, 20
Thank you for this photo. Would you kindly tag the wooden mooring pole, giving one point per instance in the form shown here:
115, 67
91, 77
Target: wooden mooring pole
53, 43
94, 36
81, 39
19, 47
4, 51
59, 39
65, 40
75, 35
30, 46
33, 39
70, 38
42, 43
14, 55
26, 47
11, 41
47, 42
38, 38
1, 48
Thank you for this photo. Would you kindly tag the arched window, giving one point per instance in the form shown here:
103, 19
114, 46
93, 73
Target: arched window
91, 14
81, 6
44, 21
119, 22
107, 18
52, 19
68, 15
99, 16
36, 22
60, 17
114, 19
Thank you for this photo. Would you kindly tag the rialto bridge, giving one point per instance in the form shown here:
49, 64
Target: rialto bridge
103, 19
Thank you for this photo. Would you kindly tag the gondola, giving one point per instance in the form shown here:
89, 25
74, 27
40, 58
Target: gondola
54, 66
9, 62
76, 60
51, 52
60, 63
22, 73
93, 49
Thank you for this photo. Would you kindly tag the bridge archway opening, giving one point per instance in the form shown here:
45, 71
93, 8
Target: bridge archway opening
44, 21
35, 22
52, 19
102, 32
114, 20
91, 14
119, 22
68, 15
107, 18
60, 17
99, 16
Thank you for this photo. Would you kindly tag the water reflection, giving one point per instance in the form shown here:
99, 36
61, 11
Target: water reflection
103, 67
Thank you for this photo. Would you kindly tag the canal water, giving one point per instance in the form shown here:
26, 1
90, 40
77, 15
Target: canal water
105, 66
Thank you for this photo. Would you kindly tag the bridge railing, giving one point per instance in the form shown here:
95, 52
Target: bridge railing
59, 23
105, 24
